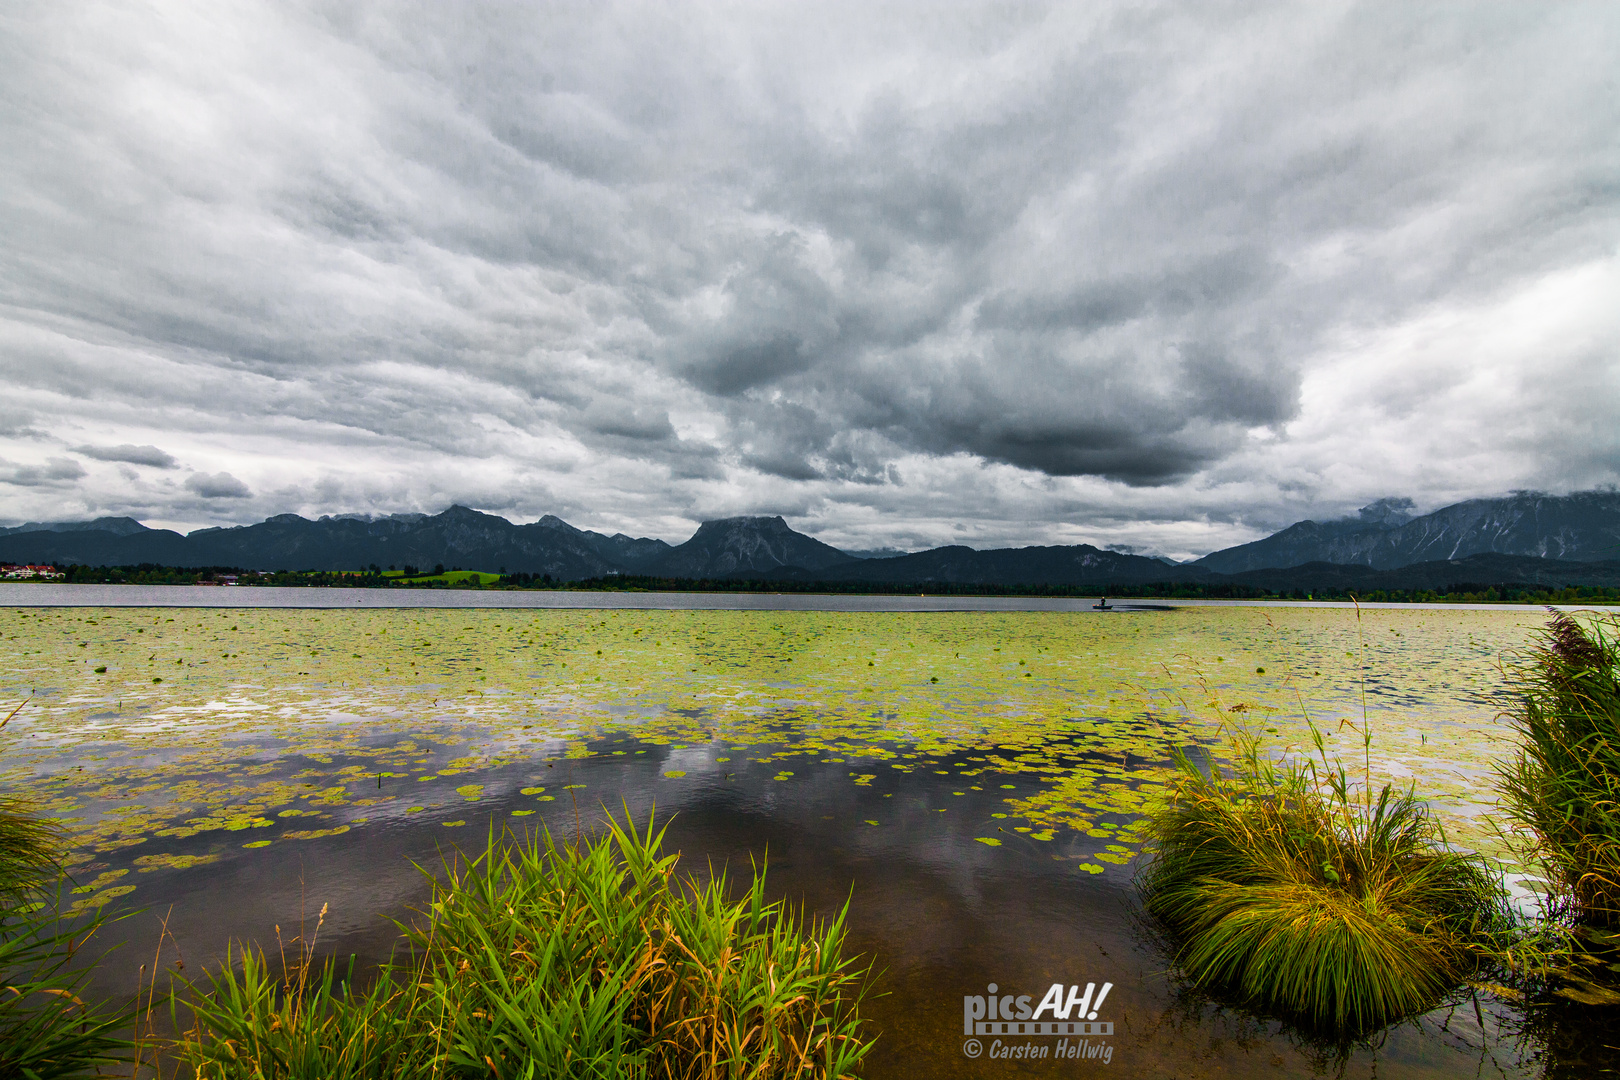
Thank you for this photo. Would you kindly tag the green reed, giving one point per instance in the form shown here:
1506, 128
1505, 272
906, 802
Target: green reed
1563, 785
30, 849
1296, 892
46, 1029
1562, 789
30, 846
534, 958
303, 1022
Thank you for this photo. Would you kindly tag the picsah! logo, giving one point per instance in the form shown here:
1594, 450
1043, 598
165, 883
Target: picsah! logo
1065, 1011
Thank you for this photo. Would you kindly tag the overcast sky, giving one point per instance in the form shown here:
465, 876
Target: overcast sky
1168, 276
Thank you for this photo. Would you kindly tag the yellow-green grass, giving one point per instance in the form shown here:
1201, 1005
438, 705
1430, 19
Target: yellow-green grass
1297, 893
539, 959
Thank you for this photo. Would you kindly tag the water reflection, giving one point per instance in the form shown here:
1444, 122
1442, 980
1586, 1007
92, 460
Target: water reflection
942, 913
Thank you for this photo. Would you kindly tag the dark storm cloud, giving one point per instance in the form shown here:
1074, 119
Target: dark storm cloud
55, 472
993, 272
221, 485
135, 455
623, 419
746, 365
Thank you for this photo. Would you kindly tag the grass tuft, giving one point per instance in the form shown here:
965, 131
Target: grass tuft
1302, 897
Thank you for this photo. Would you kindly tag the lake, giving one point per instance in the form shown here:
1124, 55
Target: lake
968, 779
45, 594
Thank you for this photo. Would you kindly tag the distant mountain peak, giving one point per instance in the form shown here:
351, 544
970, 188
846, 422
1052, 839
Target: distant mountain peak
118, 526
1386, 513
776, 524
746, 545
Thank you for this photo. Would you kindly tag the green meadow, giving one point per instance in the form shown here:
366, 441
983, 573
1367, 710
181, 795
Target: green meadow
449, 577
151, 723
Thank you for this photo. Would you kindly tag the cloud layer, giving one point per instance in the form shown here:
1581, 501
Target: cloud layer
1158, 275
135, 455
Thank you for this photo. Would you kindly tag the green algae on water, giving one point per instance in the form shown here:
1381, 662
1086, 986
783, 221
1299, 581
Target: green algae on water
296, 724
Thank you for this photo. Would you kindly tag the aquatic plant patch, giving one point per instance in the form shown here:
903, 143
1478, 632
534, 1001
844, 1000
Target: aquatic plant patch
1299, 890
145, 728
541, 959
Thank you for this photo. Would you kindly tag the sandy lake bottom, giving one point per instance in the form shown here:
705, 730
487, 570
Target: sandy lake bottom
969, 782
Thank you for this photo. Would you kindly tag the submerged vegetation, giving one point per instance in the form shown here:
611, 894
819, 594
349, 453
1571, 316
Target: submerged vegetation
286, 726
538, 959
1297, 893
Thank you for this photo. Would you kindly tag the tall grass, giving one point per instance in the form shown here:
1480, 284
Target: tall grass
254, 1020
1301, 895
1563, 785
542, 959
46, 1029
30, 848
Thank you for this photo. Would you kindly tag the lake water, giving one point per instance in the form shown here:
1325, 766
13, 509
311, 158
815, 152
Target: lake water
29, 594
967, 780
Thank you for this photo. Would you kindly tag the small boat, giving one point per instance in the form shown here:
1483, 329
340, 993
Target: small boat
1101, 605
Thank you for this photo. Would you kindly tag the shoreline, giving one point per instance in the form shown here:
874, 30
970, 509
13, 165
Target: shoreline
44, 594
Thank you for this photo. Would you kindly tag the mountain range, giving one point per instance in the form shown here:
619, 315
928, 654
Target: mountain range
1581, 527
1522, 538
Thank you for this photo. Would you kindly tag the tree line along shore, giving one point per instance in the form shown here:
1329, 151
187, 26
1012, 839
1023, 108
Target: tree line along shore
440, 577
